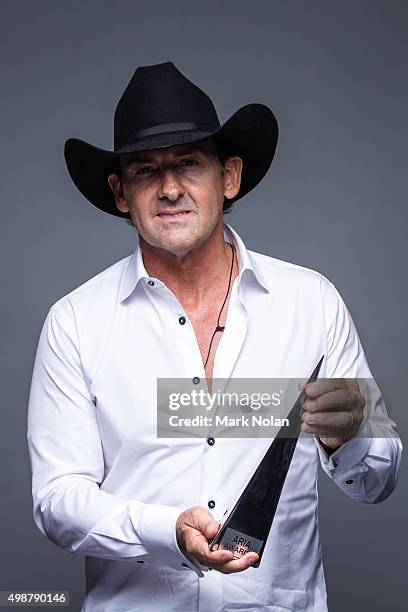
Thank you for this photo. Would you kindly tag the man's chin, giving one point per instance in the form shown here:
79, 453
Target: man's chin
181, 247
178, 239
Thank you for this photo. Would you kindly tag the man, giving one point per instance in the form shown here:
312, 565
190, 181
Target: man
192, 302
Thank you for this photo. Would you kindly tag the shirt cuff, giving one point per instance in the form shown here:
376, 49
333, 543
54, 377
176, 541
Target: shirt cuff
348, 458
157, 530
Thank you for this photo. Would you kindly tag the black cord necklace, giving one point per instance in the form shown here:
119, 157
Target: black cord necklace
219, 328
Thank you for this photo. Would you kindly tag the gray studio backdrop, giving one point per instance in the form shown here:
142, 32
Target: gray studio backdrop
334, 200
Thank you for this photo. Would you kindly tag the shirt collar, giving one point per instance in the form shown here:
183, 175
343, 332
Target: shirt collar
247, 265
134, 273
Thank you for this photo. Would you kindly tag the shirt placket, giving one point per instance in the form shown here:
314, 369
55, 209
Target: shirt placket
213, 488
228, 350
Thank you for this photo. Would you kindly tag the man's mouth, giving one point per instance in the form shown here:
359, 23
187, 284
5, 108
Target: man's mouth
174, 214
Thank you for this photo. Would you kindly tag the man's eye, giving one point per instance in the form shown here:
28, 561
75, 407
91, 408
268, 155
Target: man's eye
188, 162
145, 170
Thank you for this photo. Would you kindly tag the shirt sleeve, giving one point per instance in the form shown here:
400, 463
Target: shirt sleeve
67, 463
366, 467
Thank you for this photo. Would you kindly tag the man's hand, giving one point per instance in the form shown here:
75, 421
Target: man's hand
194, 528
333, 410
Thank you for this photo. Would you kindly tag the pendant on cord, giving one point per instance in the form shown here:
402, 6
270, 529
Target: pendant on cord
219, 327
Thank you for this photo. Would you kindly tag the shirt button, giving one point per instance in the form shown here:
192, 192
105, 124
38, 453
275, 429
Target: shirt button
210, 441
349, 481
196, 380
184, 565
335, 463
182, 320
211, 503
140, 561
151, 283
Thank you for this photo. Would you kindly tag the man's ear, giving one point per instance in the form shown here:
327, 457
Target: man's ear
232, 176
116, 185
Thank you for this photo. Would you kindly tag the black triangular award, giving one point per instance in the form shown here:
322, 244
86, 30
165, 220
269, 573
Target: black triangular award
249, 522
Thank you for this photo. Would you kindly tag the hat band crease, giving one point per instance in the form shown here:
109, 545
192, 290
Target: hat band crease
164, 128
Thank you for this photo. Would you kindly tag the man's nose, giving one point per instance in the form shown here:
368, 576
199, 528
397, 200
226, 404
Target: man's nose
169, 185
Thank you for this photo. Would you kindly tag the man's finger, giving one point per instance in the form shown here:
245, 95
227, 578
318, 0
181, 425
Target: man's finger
339, 400
238, 565
200, 519
302, 383
215, 558
211, 529
330, 424
321, 386
196, 543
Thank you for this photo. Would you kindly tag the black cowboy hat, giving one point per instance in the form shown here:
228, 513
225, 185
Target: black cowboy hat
160, 107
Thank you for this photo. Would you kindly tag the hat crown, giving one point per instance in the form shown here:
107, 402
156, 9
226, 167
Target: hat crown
159, 96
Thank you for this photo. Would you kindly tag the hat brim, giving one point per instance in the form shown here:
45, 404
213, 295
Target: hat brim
251, 132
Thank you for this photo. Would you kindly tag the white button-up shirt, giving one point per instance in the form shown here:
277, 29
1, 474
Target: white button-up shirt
106, 486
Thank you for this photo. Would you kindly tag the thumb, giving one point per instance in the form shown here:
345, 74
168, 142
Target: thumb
211, 529
205, 522
302, 384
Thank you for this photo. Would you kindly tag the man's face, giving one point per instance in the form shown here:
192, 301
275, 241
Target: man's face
175, 195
